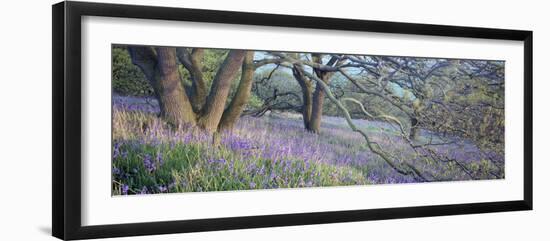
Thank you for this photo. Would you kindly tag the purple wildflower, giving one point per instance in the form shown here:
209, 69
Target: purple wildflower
124, 154
116, 150
148, 163
144, 190
159, 159
277, 151
125, 189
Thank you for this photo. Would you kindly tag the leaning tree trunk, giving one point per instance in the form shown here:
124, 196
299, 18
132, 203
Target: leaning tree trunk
307, 107
319, 94
212, 111
317, 109
161, 71
175, 107
192, 61
236, 107
307, 97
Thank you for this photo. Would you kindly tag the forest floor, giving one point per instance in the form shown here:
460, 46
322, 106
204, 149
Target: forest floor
273, 151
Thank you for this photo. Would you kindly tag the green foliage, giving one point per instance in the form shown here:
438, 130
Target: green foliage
254, 102
281, 82
184, 75
213, 58
127, 79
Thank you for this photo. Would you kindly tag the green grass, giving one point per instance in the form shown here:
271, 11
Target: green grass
197, 168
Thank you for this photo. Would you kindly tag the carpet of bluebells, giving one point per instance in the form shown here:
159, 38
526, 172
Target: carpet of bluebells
149, 156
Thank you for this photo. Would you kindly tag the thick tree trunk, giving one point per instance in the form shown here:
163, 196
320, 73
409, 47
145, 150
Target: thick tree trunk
161, 70
307, 97
317, 109
176, 108
307, 107
146, 59
319, 94
236, 107
212, 111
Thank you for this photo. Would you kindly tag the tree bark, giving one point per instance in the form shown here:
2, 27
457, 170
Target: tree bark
236, 107
319, 94
307, 97
161, 71
317, 108
176, 108
193, 63
212, 111
146, 60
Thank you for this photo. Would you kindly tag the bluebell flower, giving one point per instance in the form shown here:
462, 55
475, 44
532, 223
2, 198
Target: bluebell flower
148, 163
159, 160
124, 154
125, 189
116, 150
144, 190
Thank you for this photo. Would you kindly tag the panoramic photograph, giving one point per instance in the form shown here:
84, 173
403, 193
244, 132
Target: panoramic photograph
187, 119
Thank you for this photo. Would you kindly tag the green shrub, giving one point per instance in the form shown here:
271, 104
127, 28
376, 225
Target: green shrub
127, 79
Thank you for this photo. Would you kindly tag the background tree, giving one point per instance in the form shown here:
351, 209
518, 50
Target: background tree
275, 90
414, 89
312, 95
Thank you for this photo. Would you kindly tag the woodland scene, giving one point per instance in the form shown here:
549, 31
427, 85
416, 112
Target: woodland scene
188, 119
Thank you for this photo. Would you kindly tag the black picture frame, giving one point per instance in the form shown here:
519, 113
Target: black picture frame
66, 47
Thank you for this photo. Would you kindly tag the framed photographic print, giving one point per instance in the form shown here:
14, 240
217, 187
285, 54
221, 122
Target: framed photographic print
170, 120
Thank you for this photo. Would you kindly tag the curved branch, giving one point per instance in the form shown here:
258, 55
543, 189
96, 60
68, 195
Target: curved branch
377, 150
381, 117
192, 61
376, 93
